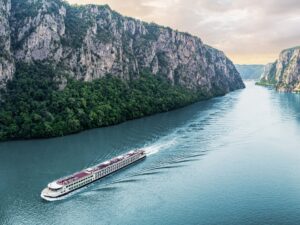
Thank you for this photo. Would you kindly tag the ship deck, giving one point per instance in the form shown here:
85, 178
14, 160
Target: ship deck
85, 173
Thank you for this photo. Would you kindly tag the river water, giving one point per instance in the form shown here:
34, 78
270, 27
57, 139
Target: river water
230, 160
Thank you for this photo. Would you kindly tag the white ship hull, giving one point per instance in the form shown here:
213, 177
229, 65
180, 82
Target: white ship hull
78, 180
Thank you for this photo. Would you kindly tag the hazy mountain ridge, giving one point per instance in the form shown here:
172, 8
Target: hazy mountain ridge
284, 73
250, 72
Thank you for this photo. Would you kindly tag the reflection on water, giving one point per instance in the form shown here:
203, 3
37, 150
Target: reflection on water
229, 160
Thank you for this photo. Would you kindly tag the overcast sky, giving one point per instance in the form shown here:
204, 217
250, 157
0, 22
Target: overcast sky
248, 31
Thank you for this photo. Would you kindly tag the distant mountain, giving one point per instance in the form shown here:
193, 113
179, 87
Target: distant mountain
250, 72
284, 73
67, 68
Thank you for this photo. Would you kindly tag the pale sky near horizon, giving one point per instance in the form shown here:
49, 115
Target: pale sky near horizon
248, 31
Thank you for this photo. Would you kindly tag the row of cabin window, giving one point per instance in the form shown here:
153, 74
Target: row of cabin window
78, 181
76, 186
116, 166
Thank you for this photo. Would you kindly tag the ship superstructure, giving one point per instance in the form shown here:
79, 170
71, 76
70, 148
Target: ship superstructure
80, 179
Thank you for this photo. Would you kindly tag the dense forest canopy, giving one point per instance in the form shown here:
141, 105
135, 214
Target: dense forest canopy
33, 106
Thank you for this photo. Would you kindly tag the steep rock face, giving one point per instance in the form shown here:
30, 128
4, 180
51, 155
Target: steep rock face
37, 28
90, 42
7, 67
284, 74
268, 74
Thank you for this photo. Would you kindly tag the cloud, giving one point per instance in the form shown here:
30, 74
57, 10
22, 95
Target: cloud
247, 31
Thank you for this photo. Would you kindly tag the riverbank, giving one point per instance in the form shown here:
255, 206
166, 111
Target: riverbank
35, 106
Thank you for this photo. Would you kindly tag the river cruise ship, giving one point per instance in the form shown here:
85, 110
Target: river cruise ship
80, 179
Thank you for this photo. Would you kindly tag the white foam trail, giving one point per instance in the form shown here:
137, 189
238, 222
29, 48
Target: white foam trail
155, 148
150, 150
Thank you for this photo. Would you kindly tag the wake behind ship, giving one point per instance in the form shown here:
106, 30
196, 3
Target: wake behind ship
73, 182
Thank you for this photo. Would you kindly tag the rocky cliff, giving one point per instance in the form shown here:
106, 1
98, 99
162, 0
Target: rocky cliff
284, 74
7, 66
89, 42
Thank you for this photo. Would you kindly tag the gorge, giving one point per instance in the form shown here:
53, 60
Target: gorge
66, 68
